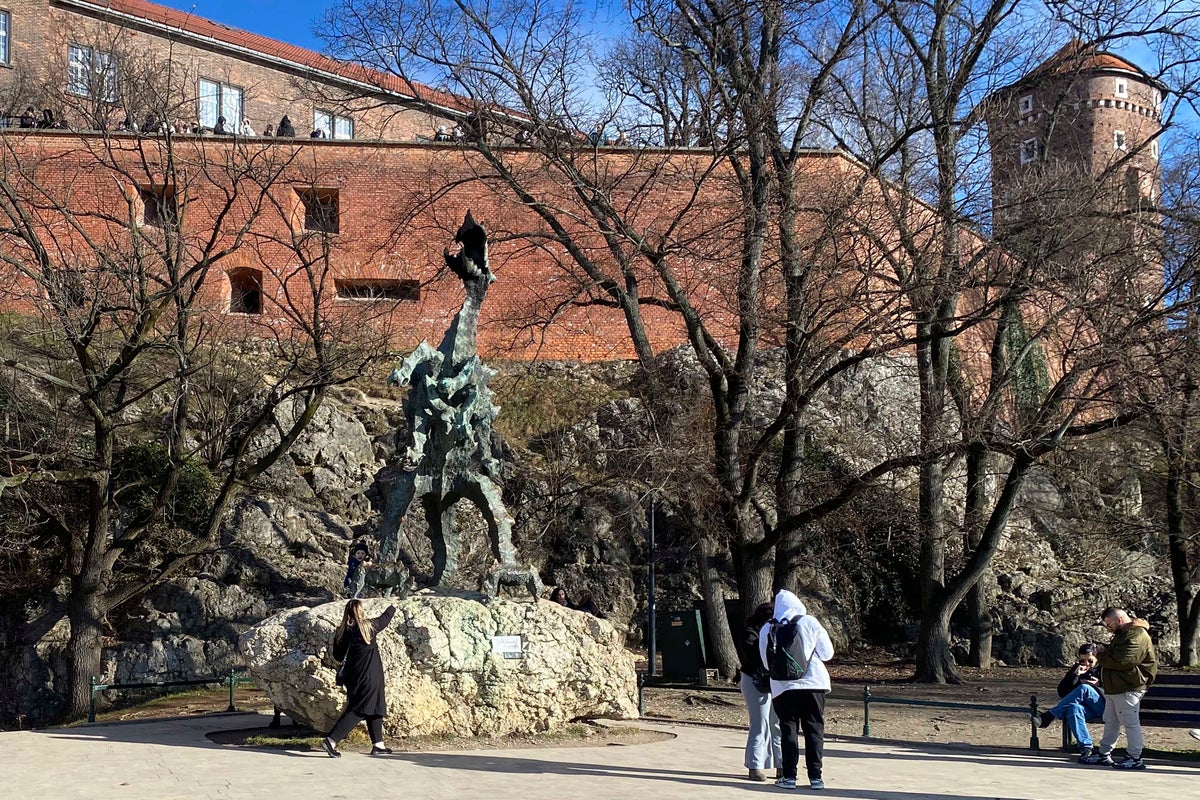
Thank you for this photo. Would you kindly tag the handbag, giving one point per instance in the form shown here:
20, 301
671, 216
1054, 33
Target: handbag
340, 679
762, 681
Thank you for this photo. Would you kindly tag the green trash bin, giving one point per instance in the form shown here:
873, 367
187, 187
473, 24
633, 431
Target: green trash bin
681, 642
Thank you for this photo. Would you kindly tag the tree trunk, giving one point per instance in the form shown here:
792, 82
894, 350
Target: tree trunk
935, 663
979, 608
720, 635
83, 646
1187, 598
979, 489
755, 570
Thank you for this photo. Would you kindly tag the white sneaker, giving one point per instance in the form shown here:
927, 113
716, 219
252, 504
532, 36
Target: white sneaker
1194, 733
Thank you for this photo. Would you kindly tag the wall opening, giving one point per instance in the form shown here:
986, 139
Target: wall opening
321, 209
397, 289
245, 291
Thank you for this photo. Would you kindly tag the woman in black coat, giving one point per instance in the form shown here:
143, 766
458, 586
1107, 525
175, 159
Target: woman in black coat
355, 646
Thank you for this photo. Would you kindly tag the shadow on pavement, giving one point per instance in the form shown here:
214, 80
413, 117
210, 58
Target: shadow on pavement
527, 766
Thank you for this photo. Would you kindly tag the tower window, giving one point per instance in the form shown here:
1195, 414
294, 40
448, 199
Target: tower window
1122, 87
1025, 105
1031, 150
1119, 141
245, 291
1139, 187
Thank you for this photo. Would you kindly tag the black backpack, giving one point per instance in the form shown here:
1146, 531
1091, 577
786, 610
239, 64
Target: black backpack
787, 656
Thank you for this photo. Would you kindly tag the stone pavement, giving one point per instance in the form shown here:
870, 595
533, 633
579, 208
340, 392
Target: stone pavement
169, 759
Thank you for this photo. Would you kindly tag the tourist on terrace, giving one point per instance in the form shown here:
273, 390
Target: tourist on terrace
219, 129
269, 130
1082, 698
285, 127
47, 120
29, 118
763, 743
152, 124
442, 134
559, 595
318, 133
246, 129
356, 649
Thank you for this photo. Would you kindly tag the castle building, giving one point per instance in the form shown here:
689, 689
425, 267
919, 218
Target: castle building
96, 61
1084, 120
381, 192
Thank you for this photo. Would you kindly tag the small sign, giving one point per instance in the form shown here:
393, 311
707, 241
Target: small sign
507, 646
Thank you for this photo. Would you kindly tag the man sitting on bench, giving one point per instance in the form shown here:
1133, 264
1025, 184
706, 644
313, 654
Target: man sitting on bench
1082, 698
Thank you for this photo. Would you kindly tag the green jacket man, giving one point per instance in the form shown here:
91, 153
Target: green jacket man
1129, 663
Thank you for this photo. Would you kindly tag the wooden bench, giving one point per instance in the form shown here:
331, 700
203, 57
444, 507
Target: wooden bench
1172, 702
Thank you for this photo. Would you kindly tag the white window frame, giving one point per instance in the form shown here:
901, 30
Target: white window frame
1031, 150
1121, 87
334, 125
1120, 140
92, 73
79, 59
219, 99
5, 34
1025, 105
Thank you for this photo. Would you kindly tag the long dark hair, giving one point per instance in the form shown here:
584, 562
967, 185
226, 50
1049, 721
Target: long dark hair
760, 616
355, 617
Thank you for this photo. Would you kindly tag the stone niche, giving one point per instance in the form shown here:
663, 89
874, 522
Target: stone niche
446, 672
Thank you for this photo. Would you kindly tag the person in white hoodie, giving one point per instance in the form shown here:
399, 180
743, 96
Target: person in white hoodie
800, 704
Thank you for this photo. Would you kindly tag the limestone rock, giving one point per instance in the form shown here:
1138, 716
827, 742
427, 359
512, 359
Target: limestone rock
442, 676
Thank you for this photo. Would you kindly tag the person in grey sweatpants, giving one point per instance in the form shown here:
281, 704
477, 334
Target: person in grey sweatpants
763, 739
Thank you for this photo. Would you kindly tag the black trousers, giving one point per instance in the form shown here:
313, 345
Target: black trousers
349, 719
802, 710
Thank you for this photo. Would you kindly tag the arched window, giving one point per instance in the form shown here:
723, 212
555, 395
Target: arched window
245, 291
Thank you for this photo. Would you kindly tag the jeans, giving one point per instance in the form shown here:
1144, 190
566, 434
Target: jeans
1083, 703
802, 710
763, 739
1121, 711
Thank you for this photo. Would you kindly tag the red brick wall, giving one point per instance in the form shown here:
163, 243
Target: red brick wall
37, 74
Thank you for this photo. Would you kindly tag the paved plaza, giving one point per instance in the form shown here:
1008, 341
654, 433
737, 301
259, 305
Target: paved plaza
169, 759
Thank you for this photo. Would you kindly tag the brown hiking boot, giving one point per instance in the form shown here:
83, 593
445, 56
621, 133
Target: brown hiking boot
758, 775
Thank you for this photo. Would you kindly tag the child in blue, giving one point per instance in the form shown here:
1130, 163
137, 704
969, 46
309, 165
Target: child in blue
356, 570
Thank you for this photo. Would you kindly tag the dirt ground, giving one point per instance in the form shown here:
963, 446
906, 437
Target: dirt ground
1004, 686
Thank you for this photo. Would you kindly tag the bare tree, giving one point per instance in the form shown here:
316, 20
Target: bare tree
119, 247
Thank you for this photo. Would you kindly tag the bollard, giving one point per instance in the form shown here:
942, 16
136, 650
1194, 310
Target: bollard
92, 699
866, 710
1034, 744
232, 683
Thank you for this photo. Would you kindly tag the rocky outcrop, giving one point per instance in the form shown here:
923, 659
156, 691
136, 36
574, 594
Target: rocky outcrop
444, 675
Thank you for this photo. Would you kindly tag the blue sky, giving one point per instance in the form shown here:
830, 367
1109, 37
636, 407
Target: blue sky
287, 20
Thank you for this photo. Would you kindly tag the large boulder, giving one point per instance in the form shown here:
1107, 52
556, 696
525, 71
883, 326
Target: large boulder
443, 673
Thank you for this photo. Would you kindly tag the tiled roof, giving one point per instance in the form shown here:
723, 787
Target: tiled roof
157, 15
1076, 56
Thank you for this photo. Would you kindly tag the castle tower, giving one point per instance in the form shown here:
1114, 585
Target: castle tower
1083, 126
